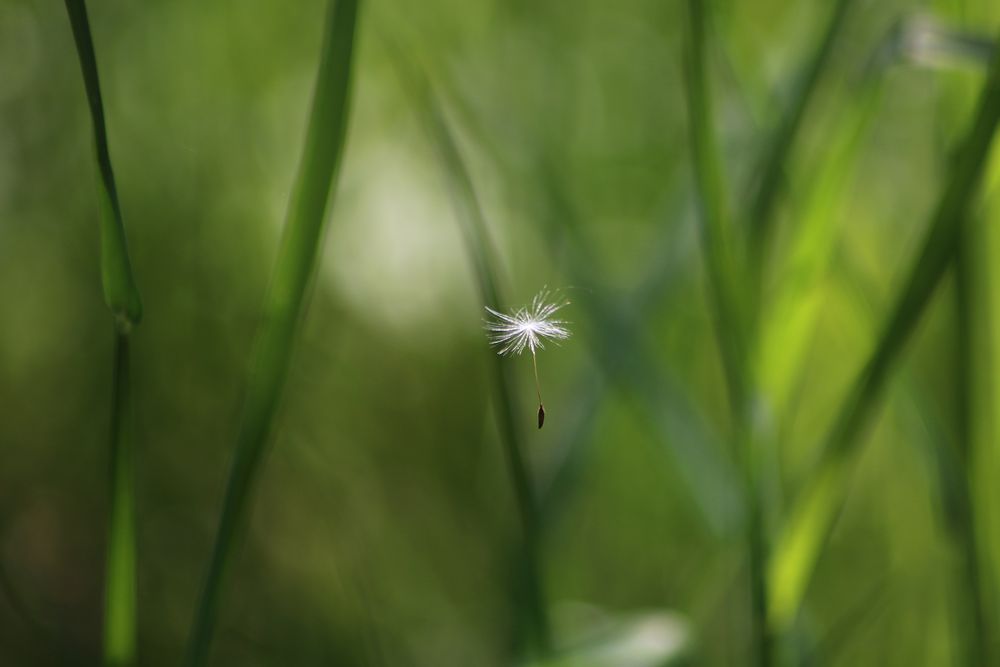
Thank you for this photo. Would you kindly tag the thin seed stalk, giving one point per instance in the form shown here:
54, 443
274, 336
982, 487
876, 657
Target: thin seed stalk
284, 303
538, 390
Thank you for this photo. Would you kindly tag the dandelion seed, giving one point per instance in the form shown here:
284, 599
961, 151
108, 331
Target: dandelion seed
528, 328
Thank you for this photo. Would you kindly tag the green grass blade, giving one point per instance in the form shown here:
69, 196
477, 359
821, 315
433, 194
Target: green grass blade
716, 226
284, 303
480, 251
955, 460
791, 313
776, 155
813, 517
120, 291
122, 298
725, 271
120, 586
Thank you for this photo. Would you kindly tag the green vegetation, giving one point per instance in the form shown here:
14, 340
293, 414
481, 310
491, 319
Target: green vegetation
771, 438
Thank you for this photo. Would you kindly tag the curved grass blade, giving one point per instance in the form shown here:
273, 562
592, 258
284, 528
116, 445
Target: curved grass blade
311, 198
813, 517
122, 298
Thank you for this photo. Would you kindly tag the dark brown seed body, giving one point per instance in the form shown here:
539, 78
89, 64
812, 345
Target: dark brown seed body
541, 415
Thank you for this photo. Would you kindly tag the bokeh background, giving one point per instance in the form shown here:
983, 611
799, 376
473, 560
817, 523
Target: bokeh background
383, 520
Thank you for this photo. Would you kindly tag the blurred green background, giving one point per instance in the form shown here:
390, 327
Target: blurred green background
383, 520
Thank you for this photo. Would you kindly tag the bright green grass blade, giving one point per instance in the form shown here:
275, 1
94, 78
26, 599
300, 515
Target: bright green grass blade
120, 291
285, 300
813, 516
792, 312
761, 213
480, 250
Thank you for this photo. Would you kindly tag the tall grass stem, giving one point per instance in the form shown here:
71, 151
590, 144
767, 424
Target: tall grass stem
122, 297
284, 302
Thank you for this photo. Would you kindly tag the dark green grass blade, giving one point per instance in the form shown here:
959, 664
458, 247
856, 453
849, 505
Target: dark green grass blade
285, 300
122, 298
761, 213
815, 513
120, 291
479, 248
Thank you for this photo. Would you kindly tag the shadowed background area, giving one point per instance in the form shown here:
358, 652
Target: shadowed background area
383, 520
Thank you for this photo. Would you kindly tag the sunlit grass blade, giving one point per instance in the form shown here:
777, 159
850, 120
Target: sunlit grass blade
792, 311
122, 297
285, 300
761, 211
822, 496
480, 250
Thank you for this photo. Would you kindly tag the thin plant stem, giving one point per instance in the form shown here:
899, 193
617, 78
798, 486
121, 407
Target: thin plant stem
122, 297
120, 584
284, 303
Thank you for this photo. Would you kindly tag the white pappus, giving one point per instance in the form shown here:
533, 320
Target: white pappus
528, 328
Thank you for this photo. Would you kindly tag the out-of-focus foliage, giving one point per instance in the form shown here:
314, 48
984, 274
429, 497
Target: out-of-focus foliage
382, 521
